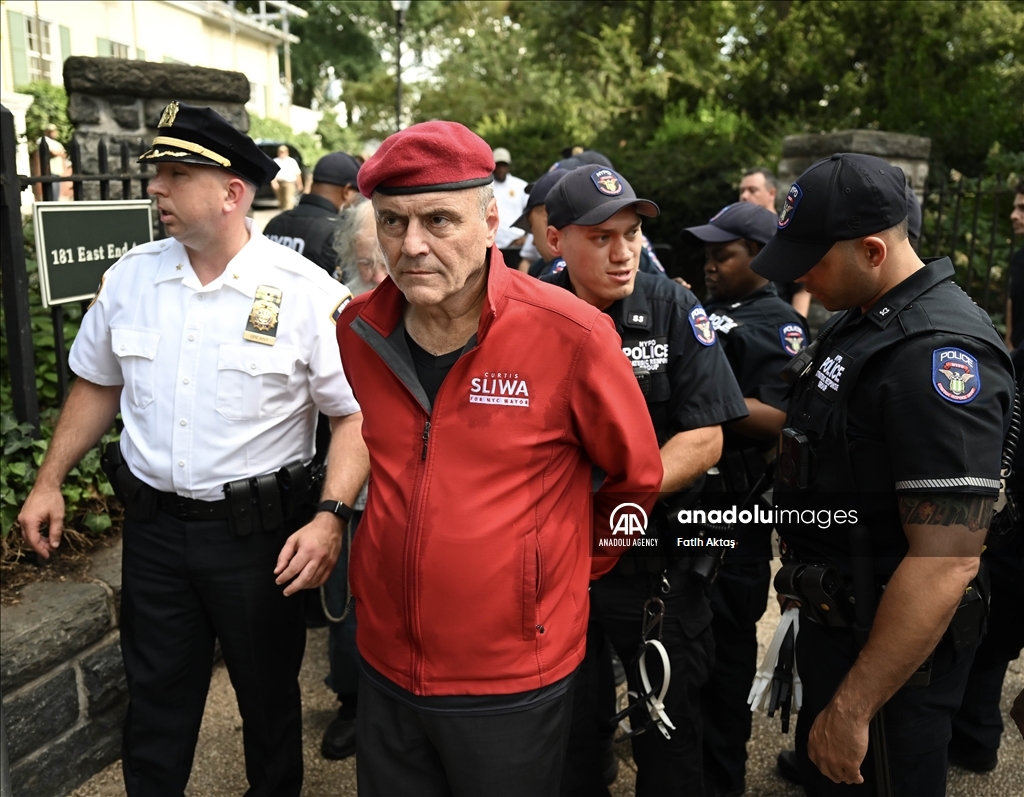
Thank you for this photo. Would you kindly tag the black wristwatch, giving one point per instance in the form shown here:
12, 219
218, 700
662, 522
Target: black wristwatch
336, 508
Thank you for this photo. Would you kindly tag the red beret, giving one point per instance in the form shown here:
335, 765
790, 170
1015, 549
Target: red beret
431, 156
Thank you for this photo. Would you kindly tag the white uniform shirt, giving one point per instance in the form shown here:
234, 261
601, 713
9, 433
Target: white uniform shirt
511, 197
288, 169
201, 405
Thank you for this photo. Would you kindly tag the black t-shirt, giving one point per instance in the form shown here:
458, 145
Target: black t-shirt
1015, 292
431, 370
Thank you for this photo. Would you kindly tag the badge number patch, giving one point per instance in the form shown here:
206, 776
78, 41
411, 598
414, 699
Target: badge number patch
793, 339
261, 326
955, 375
789, 206
702, 327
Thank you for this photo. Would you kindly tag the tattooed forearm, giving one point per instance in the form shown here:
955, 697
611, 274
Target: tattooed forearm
947, 509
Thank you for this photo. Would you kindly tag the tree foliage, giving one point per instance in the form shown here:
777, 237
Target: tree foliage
681, 94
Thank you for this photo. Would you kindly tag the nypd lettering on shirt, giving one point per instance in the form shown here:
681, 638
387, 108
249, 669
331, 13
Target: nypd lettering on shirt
723, 323
296, 243
499, 387
701, 325
955, 375
651, 355
829, 373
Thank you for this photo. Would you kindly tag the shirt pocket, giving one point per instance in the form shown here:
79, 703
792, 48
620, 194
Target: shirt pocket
135, 349
252, 381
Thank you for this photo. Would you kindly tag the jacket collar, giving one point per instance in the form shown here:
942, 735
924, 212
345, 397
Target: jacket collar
753, 296
319, 202
385, 308
633, 311
936, 270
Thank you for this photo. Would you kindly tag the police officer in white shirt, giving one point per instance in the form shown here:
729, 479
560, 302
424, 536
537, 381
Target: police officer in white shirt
510, 194
217, 348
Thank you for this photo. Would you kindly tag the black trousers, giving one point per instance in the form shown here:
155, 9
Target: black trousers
406, 751
738, 599
917, 719
185, 585
664, 766
978, 725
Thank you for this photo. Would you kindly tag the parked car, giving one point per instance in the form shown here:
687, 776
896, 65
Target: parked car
265, 196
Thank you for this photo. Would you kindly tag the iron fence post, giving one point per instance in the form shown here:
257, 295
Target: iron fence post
17, 316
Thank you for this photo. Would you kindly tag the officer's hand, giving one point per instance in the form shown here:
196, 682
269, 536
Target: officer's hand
43, 513
682, 282
308, 556
837, 745
1017, 712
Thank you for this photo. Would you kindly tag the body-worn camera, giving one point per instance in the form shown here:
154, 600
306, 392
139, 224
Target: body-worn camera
794, 459
643, 378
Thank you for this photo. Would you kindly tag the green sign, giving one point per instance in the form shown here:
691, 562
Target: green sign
77, 241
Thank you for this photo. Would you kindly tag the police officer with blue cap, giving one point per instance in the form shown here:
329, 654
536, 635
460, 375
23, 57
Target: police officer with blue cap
594, 222
760, 333
891, 456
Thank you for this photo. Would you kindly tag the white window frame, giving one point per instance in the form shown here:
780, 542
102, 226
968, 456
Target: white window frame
40, 64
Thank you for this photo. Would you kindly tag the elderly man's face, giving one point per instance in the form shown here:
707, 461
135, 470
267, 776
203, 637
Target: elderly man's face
435, 243
369, 258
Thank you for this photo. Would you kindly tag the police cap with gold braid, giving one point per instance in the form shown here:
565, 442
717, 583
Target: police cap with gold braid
201, 136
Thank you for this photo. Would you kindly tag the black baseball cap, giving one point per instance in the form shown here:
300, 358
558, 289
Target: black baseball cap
840, 198
592, 194
538, 193
739, 220
338, 168
193, 134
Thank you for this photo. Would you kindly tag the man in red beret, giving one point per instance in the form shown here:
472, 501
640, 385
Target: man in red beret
488, 400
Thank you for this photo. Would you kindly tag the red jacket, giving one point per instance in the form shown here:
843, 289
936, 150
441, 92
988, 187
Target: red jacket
472, 562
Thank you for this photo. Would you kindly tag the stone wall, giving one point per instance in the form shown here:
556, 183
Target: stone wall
119, 100
910, 153
64, 692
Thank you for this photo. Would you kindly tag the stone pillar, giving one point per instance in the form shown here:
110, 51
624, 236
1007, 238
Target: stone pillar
120, 100
910, 153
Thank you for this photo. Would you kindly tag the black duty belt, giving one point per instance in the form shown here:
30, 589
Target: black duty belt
182, 508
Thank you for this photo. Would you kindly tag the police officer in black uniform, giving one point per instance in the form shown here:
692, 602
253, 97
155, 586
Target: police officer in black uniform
899, 413
760, 333
978, 725
309, 228
594, 224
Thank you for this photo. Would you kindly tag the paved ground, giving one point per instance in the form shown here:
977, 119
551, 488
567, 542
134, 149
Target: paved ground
219, 769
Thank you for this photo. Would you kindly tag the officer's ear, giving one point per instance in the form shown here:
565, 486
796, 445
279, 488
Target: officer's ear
554, 237
874, 248
239, 193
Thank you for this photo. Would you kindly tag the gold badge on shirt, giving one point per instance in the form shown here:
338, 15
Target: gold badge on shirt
262, 324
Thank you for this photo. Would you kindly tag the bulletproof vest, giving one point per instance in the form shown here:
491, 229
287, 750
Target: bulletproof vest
822, 396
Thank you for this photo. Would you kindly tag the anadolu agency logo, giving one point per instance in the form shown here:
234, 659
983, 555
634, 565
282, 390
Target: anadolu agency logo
628, 518
626, 527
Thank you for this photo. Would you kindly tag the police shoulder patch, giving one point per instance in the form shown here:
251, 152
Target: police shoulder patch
790, 205
793, 338
955, 375
337, 311
703, 330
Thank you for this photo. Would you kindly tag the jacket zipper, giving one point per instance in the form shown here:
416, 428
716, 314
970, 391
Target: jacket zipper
426, 438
